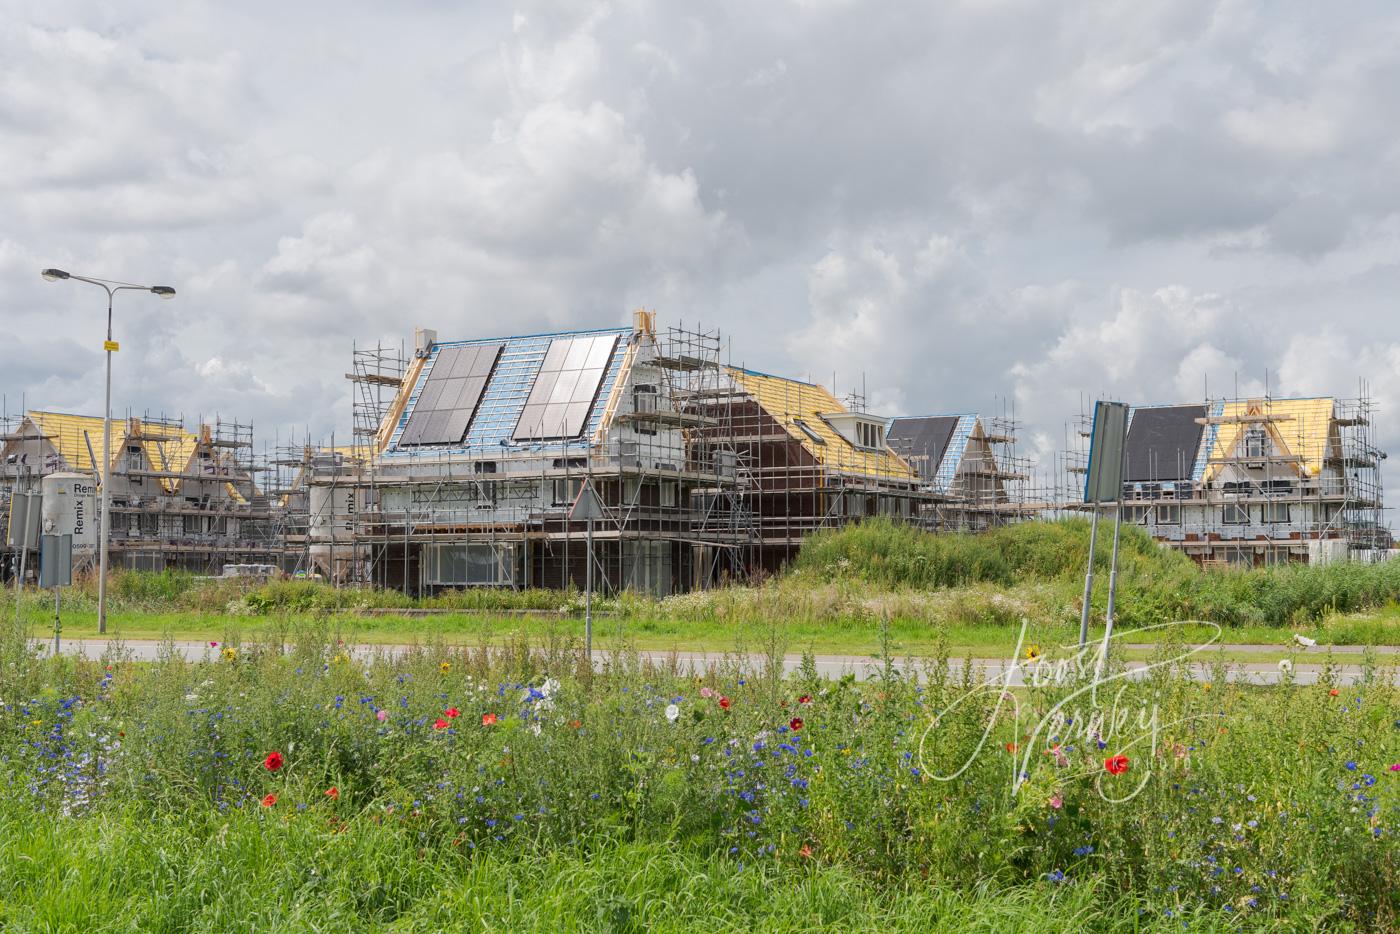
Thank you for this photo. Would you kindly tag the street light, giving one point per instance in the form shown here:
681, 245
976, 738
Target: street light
104, 522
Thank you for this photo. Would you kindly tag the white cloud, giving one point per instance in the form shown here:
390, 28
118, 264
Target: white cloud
958, 203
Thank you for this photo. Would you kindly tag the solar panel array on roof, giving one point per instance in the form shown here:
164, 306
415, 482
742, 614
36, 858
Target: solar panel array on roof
562, 396
922, 441
450, 394
1163, 443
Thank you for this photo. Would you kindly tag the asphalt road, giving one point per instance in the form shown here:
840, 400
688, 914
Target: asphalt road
999, 670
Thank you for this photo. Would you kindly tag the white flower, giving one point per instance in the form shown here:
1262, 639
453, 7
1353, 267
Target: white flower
673, 712
1303, 640
549, 687
1285, 665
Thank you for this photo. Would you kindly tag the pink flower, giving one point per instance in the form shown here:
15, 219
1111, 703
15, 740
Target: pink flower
213, 645
1395, 767
706, 692
382, 715
1056, 802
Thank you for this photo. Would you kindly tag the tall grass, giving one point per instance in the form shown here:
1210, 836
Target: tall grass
786, 802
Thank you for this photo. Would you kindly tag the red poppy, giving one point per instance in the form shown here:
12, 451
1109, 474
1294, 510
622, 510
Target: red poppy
576, 723
1334, 692
724, 703
488, 719
805, 699
439, 724
269, 801
273, 762
805, 852
1010, 747
452, 712
1116, 765
333, 793
795, 723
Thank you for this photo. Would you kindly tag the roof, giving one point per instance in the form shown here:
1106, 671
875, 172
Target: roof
78, 438
797, 405
492, 413
923, 440
1163, 443
1303, 426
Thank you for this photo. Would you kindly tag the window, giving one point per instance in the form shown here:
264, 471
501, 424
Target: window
218, 525
1137, 514
807, 430
474, 564
566, 490
150, 524
668, 493
194, 525
1256, 442
869, 435
1168, 515
644, 399
484, 467
1276, 512
561, 399
1233, 514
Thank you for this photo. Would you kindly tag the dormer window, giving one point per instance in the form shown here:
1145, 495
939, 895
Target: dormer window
1256, 443
863, 431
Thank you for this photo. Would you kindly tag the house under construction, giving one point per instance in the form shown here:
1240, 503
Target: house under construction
179, 500
471, 456
968, 467
484, 449
1253, 482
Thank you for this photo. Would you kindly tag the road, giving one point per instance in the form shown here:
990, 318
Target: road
1000, 670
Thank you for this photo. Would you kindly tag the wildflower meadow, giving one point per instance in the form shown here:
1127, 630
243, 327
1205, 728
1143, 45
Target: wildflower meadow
300, 787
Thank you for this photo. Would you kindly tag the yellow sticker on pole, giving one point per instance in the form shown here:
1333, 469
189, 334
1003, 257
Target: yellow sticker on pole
111, 346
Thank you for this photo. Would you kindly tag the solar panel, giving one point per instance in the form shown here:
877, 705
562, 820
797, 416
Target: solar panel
566, 387
450, 393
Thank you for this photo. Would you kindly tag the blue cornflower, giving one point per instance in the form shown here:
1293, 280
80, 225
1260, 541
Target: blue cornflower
1084, 850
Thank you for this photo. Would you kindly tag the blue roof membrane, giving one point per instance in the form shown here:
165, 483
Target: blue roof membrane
492, 430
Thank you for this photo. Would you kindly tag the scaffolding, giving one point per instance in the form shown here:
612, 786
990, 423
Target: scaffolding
178, 499
1271, 481
499, 516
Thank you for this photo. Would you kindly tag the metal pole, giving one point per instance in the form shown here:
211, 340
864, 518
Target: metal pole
104, 514
588, 600
23, 552
56, 625
1089, 578
1112, 593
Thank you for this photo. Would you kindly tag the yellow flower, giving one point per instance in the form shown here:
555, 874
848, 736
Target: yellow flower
1033, 652
445, 667
229, 653
1206, 686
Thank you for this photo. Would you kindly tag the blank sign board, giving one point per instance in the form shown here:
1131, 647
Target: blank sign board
1104, 483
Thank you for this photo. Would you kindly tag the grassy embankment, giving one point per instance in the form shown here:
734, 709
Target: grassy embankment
968, 591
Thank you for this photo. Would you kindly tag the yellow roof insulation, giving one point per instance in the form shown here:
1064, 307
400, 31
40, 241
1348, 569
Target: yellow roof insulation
1303, 427
788, 399
78, 437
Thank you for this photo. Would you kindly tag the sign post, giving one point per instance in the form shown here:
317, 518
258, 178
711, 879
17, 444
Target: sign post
1104, 484
587, 507
24, 535
55, 571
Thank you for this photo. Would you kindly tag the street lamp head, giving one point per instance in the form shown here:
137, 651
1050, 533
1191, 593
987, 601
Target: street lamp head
53, 275
164, 291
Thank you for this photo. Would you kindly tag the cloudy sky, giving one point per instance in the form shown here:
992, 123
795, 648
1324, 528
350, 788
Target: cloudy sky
968, 205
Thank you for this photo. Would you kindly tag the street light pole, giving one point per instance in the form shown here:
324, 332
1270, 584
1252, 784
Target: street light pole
104, 521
